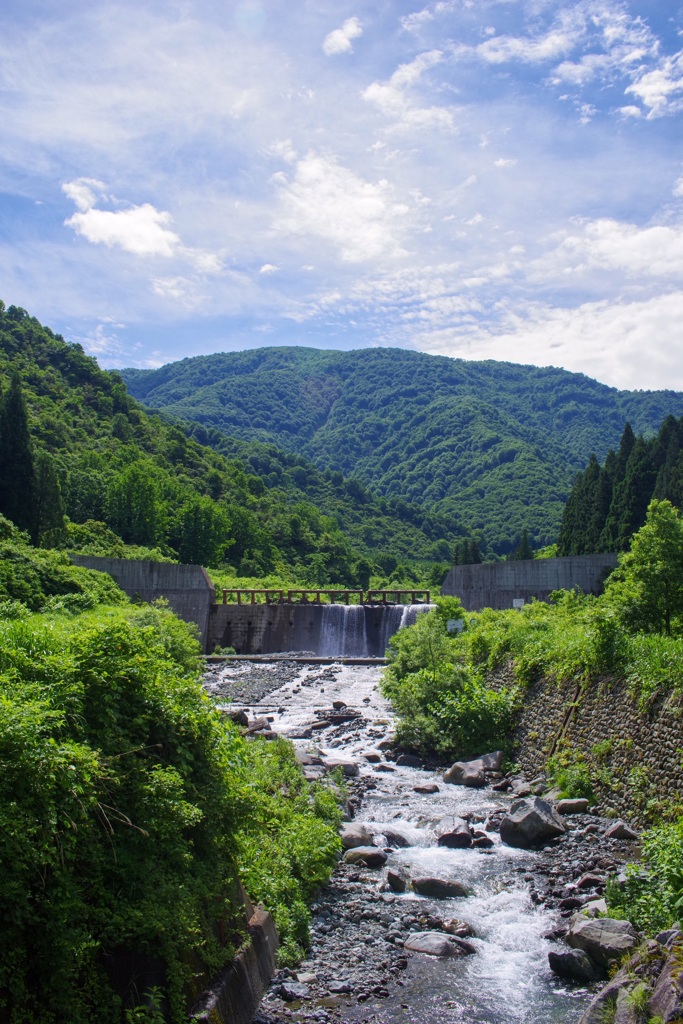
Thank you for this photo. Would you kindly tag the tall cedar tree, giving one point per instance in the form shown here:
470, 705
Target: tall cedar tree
17, 471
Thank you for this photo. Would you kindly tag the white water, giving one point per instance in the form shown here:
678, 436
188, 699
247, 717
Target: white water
344, 628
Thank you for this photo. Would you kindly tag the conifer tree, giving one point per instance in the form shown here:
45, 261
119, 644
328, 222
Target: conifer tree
17, 474
48, 524
523, 551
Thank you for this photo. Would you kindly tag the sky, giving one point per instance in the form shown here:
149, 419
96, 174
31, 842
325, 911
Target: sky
485, 179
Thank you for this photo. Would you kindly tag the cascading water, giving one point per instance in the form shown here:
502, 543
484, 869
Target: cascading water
344, 628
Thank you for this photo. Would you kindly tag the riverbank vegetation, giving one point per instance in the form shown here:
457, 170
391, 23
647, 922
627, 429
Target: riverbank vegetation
129, 806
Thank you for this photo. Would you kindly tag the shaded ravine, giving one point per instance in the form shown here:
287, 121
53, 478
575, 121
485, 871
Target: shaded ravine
359, 926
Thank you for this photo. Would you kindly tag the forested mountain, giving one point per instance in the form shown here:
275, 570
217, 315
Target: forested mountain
608, 503
74, 442
496, 445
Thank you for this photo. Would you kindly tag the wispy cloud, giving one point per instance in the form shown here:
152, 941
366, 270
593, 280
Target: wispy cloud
340, 39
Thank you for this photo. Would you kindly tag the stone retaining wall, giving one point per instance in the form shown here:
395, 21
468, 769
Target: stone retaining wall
640, 753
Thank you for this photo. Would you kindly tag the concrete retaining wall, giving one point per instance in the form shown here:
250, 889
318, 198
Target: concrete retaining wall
498, 584
187, 588
632, 754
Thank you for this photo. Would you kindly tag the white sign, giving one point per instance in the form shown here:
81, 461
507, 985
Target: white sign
518, 602
455, 625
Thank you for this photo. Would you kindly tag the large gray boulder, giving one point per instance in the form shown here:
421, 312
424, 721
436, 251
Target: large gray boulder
464, 774
438, 888
620, 830
531, 822
576, 806
575, 965
453, 832
349, 768
354, 834
603, 938
667, 998
437, 944
371, 856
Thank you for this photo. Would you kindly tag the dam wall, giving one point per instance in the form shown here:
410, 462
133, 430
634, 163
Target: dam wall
499, 584
187, 588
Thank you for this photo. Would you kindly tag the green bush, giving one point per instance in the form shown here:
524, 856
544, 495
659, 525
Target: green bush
570, 773
652, 896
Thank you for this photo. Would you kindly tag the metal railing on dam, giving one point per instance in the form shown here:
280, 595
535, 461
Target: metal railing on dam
296, 596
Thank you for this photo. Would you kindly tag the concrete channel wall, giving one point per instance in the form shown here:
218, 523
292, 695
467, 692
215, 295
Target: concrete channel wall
187, 588
498, 584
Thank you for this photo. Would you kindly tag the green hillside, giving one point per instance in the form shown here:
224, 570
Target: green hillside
495, 445
131, 483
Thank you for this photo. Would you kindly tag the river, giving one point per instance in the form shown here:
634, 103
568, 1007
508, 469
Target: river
359, 926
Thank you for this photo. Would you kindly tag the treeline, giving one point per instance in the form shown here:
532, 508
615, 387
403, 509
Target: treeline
84, 467
608, 503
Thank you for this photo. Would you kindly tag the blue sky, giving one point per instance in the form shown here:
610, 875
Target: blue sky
482, 179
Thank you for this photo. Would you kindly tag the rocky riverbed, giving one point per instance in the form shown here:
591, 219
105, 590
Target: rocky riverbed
501, 910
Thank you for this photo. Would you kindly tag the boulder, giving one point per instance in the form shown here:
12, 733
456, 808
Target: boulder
575, 965
409, 761
354, 834
454, 833
397, 840
571, 806
437, 944
438, 888
291, 990
667, 999
427, 788
620, 830
349, 768
603, 938
371, 856
481, 840
372, 757
462, 774
397, 880
530, 823
239, 717
492, 762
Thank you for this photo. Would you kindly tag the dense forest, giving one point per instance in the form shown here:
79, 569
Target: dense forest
492, 444
84, 467
608, 502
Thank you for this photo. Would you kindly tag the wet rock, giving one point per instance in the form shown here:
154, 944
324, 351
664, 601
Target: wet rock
461, 774
590, 881
667, 998
437, 944
338, 705
372, 757
491, 762
427, 788
409, 761
461, 929
397, 880
354, 834
338, 988
349, 768
574, 964
384, 768
603, 938
531, 823
306, 977
454, 833
571, 806
481, 840
520, 789
259, 725
371, 856
503, 786
239, 718
395, 839
291, 990
620, 830
438, 888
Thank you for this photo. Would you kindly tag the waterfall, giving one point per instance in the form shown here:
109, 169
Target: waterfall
344, 628
342, 631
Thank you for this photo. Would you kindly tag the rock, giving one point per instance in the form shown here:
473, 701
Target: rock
520, 789
409, 761
492, 762
427, 788
665, 937
502, 786
354, 834
454, 833
338, 705
384, 768
372, 757
397, 880
601, 1008
437, 944
259, 725
306, 977
371, 856
603, 938
339, 988
594, 907
530, 823
571, 806
438, 888
574, 964
291, 990
667, 999
239, 718
461, 774
459, 928
590, 881
620, 830
481, 840
397, 840
349, 768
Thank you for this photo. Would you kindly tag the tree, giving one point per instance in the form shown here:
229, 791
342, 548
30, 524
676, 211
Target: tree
647, 586
523, 551
204, 529
49, 509
17, 472
133, 508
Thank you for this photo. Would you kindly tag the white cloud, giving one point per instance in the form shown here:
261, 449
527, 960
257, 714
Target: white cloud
626, 345
339, 41
268, 268
141, 230
414, 22
504, 162
678, 189
329, 201
662, 88
392, 97
655, 251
